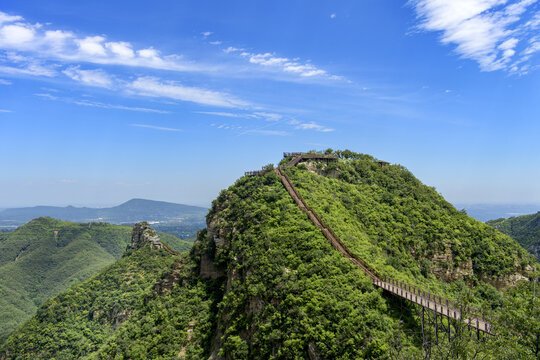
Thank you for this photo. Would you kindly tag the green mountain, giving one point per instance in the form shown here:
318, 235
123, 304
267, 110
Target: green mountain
46, 256
525, 229
263, 282
130, 212
145, 296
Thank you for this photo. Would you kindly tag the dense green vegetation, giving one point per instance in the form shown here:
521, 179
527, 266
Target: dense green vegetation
525, 229
180, 321
403, 228
36, 265
288, 290
78, 321
262, 282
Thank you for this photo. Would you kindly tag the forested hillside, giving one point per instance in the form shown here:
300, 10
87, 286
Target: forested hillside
262, 282
525, 229
404, 228
47, 256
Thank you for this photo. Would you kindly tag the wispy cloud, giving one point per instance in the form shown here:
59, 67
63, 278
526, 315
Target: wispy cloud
225, 114
156, 127
95, 77
99, 104
287, 65
498, 34
5, 82
313, 126
118, 107
270, 61
23, 65
271, 119
255, 115
46, 96
153, 87
5, 111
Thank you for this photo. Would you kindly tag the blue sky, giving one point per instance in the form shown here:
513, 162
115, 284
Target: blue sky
104, 101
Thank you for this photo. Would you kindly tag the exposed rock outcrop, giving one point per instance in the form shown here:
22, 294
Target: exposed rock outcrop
142, 233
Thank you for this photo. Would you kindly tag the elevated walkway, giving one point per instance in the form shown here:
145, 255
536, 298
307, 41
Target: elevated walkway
439, 305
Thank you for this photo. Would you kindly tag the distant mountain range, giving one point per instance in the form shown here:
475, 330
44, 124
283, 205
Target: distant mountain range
485, 212
129, 212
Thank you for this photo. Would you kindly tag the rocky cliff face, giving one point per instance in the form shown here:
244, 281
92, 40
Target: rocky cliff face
142, 233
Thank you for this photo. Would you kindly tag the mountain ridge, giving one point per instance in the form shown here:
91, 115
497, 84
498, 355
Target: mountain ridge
525, 229
129, 212
46, 256
263, 282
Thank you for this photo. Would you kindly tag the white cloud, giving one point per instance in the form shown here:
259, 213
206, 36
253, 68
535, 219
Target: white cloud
89, 77
487, 31
206, 33
533, 47
65, 47
287, 65
5, 18
91, 45
231, 49
332, 16
33, 69
5, 111
121, 49
313, 126
16, 36
269, 116
68, 47
57, 39
256, 115
5, 82
155, 127
150, 86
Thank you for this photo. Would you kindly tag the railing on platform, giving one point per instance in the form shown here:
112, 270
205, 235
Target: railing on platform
310, 155
254, 173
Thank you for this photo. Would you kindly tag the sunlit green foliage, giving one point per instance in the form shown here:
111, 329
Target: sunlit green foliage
290, 288
401, 227
525, 229
75, 323
285, 293
36, 265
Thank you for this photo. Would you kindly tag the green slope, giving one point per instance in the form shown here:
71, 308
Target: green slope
525, 229
35, 265
262, 282
75, 323
403, 228
287, 290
